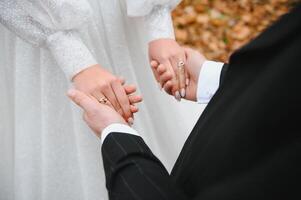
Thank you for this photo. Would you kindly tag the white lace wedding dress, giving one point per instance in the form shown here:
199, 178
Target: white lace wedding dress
46, 151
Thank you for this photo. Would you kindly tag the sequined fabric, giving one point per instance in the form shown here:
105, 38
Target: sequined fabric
52, 24
157, 16
145, 7
160, 24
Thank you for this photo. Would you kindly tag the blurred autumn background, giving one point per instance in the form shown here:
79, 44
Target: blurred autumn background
218, 27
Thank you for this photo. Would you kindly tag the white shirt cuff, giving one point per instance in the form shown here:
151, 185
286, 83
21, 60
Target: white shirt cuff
117, 128
209, 79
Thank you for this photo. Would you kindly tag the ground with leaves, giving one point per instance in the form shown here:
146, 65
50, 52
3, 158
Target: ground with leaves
219, 27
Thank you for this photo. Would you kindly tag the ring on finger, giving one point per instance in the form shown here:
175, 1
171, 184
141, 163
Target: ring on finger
181, 64
103, 100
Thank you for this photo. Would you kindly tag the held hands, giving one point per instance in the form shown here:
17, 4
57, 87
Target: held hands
194, 62
119, 108
169, 55
100, 84
100, 115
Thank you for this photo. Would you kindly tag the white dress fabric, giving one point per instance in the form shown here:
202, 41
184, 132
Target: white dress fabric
46, 151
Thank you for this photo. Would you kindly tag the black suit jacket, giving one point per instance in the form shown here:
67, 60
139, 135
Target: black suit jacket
247, 143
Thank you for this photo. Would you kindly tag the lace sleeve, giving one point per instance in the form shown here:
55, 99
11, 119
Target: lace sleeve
156, 14
51, 24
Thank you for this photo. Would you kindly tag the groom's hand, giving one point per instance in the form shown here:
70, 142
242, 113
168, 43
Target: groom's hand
98, 115
193, 65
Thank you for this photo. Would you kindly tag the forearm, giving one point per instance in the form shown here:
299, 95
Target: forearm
14, 18
133, 172
64, 43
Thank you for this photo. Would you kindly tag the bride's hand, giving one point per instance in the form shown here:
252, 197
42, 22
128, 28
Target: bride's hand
97, 82
168, 53
194, 62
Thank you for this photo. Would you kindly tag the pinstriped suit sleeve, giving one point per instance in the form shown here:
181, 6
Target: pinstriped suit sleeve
133, 172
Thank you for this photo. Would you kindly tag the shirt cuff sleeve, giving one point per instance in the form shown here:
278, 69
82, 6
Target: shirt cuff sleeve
70, 53
209, 80
159, 24
117, 128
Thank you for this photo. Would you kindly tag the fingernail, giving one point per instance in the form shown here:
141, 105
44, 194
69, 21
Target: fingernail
187, 81
131, 121
178, 96
183, 92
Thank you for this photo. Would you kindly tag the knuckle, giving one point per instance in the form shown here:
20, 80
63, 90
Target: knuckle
154, 64
104, 86
79, 99
114, 80
161, 69
168, 75
165, 79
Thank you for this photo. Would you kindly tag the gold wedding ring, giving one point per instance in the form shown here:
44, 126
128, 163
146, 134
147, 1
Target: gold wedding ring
103, 100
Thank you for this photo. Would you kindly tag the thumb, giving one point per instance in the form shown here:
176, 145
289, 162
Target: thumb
82, 100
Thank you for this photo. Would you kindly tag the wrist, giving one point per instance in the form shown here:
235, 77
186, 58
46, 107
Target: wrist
115, 121
116, 127
108, 124
102, 124
86, 70
160, 40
